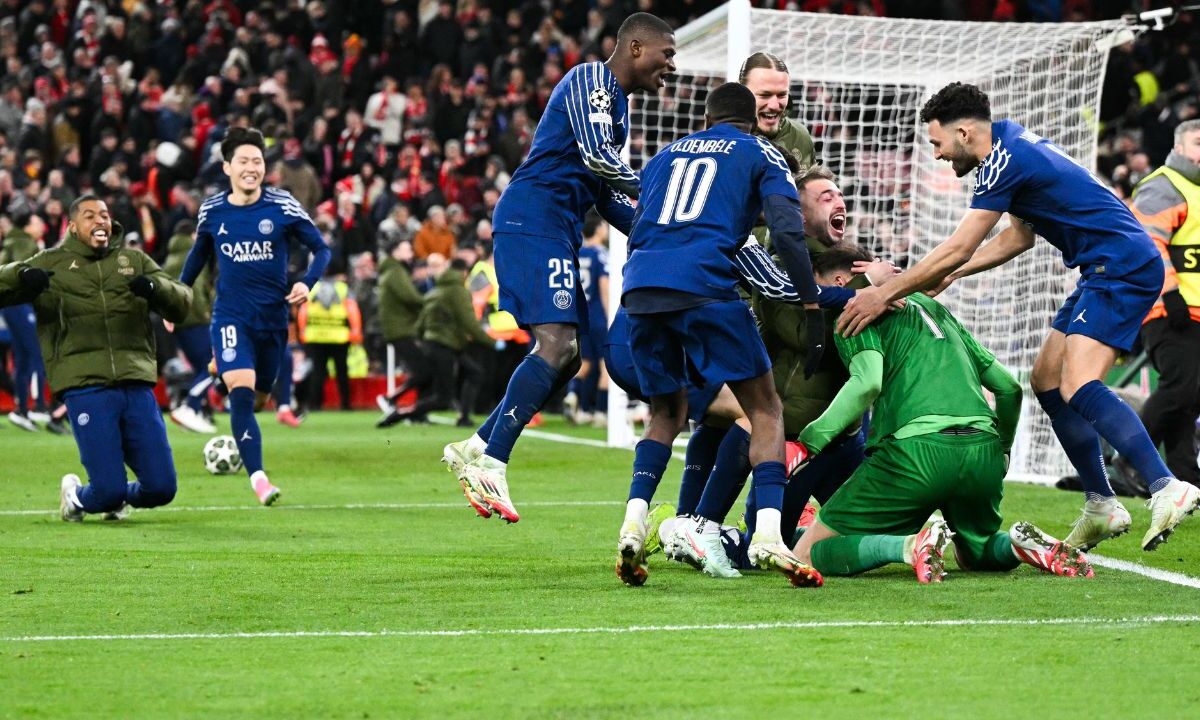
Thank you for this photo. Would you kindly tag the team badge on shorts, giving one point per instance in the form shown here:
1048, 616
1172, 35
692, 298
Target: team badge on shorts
563, 299
265, 226
83, 419
229, 354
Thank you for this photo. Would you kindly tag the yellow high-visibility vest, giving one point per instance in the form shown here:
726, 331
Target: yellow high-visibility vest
328, 325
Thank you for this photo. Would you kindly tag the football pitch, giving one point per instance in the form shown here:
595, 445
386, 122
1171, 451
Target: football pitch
373, 591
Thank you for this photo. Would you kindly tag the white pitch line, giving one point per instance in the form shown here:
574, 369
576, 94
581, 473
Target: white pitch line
349, 506
1153, 573
632, 629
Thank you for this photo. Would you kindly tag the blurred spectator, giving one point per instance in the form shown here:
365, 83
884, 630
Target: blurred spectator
362, 288
299, 177
330, 322
435, 235
400, 226
385, 113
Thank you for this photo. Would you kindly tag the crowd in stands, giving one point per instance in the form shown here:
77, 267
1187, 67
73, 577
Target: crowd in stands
394, 122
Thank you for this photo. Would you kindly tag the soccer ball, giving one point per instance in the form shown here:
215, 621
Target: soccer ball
221, 456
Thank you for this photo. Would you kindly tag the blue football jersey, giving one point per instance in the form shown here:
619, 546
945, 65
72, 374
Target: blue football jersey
251, 246
1035, 180
700, 198
574, 162
593, 265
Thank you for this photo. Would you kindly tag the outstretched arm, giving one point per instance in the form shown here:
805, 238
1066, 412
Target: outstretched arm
761, 273
952, 254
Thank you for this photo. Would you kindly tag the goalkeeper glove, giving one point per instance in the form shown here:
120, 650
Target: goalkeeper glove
796, 456
1178, 315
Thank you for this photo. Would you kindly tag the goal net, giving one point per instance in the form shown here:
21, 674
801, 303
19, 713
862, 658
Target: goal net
858, 84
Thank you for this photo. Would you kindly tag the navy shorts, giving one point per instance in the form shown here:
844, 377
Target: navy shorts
707, 345
1111, 309
592, 342
619, 363
539, 280
239, 347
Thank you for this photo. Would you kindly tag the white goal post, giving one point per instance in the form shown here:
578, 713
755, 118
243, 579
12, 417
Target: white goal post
858, 84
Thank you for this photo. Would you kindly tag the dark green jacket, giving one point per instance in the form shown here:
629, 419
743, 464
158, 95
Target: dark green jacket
794, 138
92, 329
400, 302
200, 311
18, 245
783, 331
448, 317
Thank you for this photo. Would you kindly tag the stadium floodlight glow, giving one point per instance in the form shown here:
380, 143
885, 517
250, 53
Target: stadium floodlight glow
858, 83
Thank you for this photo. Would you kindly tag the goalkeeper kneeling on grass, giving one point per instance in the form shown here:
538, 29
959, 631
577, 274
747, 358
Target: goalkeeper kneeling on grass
934, 445
93, 298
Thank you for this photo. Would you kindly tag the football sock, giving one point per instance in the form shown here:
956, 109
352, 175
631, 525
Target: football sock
636, 510
602, 401
528, 389
195, 396
245, 428
477, 443
283, 383
731, 540
853, 554
1117, 423
728, 476
1081, 443
589, 387
650, 460
998, 553
770, 478
485, 430
697, 464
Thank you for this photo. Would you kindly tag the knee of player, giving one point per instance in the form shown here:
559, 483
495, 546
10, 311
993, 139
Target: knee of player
159, 495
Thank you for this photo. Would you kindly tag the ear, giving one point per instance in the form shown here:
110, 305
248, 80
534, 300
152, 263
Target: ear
635, 48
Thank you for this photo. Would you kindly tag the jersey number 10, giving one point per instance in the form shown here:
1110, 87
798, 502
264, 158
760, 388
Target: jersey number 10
691, 179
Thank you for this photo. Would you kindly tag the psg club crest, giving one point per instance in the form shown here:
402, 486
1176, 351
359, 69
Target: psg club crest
563, 299
83, 419
265, 227
600, 99
229, 354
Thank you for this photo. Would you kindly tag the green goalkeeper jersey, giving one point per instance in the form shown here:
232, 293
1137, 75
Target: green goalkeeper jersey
932, 371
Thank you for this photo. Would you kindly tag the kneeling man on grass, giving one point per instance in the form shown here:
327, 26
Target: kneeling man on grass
935, 445
93, 297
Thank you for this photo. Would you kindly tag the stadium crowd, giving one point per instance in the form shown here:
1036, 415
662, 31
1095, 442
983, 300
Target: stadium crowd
396, 124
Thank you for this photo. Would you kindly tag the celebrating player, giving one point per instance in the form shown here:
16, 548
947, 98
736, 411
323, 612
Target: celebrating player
248, 228
93, 297
1048, 193
687, 324
932, 446
574, 163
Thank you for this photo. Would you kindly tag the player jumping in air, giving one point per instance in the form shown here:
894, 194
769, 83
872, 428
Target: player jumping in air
574, 164
935, 444
1047, 193
687, 323
247, 228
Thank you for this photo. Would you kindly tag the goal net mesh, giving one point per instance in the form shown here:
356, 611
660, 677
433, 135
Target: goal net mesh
858, 85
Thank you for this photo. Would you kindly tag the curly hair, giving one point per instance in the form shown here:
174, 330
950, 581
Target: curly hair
957, 101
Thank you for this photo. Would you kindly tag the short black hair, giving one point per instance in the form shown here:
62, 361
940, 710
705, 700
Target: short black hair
21, 218
591, 221
641, 25
957, 101
73, 210
458, 264
185, 227
237, 137
731, 102
840, 256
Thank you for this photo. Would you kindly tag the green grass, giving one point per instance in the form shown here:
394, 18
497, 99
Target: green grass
402, 569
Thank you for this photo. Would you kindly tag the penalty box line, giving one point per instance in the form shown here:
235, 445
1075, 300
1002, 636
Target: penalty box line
627, 630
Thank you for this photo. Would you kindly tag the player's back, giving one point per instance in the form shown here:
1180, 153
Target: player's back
251, 246
1035, 180
700, 197
552, 190
931, 366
